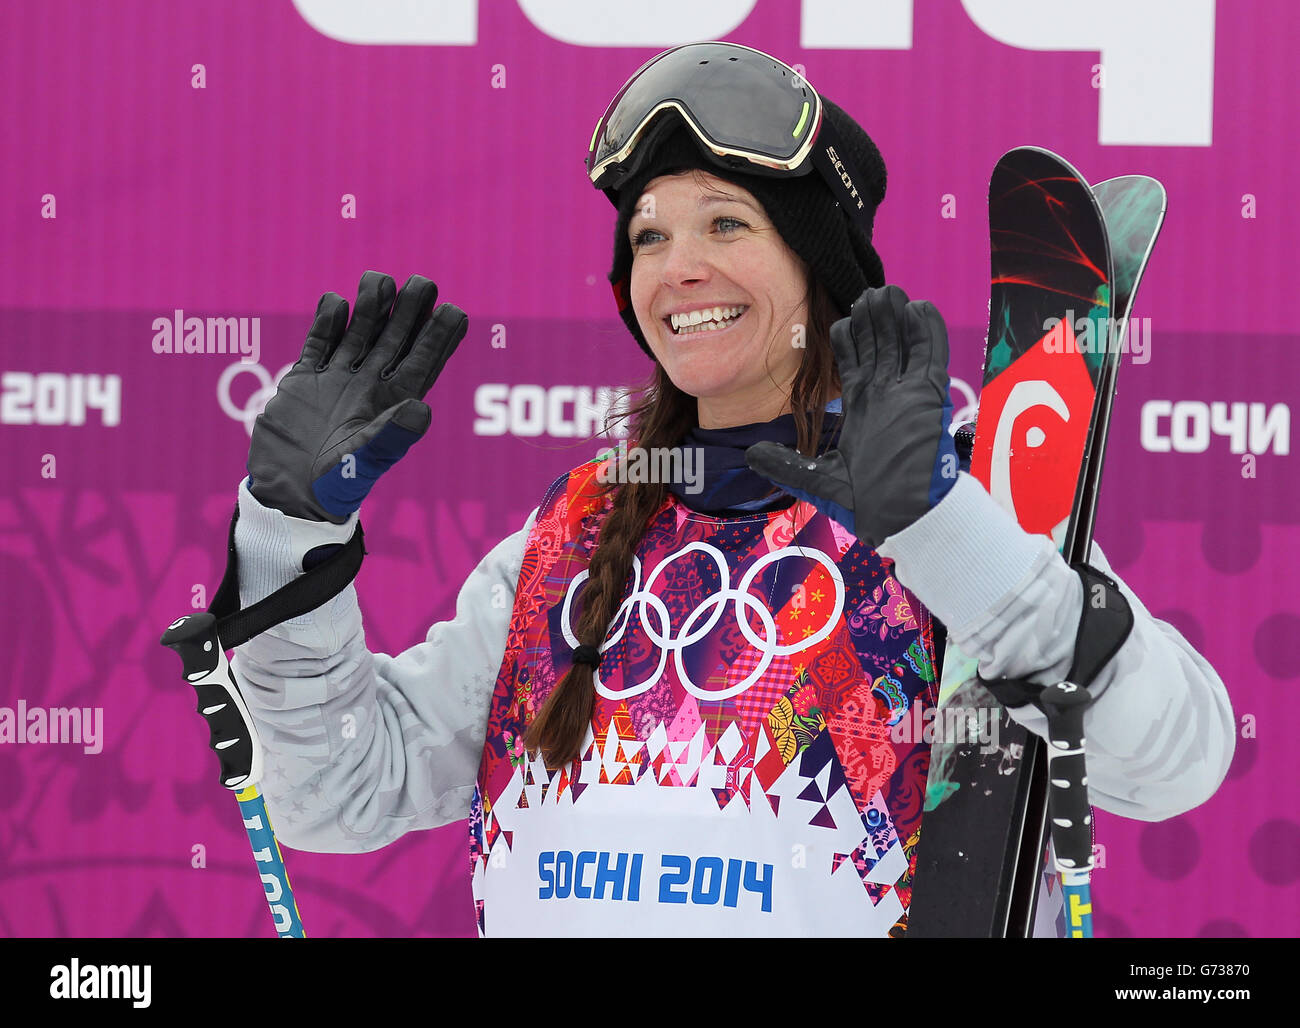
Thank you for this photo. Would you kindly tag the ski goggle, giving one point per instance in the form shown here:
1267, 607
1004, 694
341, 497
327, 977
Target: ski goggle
749, 111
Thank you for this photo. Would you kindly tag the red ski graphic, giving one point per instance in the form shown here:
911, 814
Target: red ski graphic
1027, 433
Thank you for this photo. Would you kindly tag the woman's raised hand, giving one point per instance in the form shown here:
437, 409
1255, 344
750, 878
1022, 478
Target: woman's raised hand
353, 404
895, 459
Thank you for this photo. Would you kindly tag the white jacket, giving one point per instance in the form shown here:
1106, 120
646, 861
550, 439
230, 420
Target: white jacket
363, 747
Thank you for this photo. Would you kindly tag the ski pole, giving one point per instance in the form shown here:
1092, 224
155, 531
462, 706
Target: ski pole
234, 739
1067, 807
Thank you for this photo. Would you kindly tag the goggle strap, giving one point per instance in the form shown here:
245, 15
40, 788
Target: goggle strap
829, 157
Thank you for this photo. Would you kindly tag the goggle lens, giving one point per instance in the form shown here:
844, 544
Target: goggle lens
745, 105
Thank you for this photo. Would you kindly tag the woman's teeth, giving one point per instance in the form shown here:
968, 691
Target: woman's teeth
709, 320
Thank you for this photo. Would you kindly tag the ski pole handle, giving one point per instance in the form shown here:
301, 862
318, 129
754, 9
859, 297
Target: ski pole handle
233, 737
1068, 810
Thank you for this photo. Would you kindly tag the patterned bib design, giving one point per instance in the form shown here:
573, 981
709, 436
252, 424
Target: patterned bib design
750, 768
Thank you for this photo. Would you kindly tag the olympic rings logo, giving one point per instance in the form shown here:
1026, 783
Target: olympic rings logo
257, 402
644, 600
970, 406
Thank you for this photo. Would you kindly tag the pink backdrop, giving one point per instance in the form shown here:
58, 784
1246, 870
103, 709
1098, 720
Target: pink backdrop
136, 184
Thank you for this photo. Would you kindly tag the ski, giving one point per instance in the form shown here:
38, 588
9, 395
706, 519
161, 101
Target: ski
1133, 207
1050, 361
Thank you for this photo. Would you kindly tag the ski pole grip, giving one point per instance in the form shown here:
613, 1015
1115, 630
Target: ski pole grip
233, 737
1068, 810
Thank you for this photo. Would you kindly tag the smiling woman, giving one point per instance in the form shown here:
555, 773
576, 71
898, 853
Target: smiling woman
740, 289
667, 704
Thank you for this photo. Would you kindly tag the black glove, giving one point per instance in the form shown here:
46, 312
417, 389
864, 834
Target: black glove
351, 406
895, 458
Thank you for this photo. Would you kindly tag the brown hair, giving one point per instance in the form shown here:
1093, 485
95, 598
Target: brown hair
661, 419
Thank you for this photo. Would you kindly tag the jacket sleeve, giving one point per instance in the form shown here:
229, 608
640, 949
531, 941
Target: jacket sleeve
1160, 733
363, 747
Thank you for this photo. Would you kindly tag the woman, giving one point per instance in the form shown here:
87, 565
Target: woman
681, 723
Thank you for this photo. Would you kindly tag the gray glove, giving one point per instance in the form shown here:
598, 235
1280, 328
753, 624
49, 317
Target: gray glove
351, 406
895, 458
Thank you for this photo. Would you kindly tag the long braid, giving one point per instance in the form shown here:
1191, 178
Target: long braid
662, 419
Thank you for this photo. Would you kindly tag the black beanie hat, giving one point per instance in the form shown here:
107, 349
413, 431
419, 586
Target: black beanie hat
806, 214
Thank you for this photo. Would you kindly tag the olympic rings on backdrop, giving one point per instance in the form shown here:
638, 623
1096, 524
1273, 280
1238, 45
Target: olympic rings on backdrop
971, 406
256, 403
645, 600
